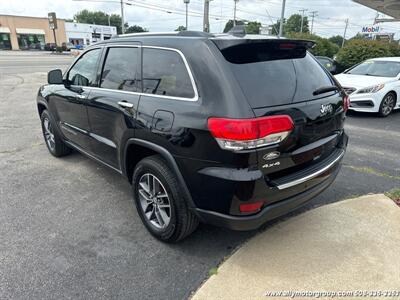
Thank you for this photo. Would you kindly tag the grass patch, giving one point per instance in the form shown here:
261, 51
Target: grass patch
394, 195
212, 271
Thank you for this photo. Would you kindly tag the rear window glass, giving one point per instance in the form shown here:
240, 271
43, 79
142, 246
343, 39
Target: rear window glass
165, 73
279, 82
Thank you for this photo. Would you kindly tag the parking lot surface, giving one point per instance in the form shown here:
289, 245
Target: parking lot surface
69, 229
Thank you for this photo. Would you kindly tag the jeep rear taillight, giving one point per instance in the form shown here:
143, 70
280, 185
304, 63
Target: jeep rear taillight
244, 134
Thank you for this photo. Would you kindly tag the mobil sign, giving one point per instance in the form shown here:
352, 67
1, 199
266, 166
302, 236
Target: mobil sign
371, 29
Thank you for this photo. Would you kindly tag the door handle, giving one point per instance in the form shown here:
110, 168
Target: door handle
125, 104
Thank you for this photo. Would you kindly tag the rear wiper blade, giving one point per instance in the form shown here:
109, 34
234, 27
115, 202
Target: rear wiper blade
325, 89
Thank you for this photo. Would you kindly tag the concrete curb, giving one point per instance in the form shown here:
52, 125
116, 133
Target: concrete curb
345, 246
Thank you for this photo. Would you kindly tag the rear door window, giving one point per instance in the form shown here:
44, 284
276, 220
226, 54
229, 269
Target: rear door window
120, 71
282, 81
165, 73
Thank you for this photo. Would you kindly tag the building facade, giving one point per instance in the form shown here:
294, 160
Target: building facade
87, 34
32, 33
26, 33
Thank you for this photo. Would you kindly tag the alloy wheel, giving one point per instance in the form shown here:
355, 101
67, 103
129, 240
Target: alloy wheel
49, 134
154, 201
388, 104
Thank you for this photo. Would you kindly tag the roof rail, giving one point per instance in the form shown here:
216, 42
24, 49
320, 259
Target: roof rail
145, 34
172, 33
195, 33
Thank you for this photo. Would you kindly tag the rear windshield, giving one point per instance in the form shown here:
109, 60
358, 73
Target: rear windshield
282, 81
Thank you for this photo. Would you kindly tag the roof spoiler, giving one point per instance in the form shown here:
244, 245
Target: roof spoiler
242, 51
288, 44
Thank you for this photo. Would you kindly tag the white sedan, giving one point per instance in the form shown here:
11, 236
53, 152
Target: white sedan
373, 85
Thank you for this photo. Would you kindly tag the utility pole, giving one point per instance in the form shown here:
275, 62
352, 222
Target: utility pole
234, 13
122, 17
345, 31
302, 18
282, 18
206, 20
313, 15
187, 4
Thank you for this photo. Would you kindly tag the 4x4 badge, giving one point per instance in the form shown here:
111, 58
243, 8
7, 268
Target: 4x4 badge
326, 109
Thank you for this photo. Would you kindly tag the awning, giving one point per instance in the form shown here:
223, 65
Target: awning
387, 7
4, 30
29, 31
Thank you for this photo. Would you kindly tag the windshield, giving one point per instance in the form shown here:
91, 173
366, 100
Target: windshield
377, 68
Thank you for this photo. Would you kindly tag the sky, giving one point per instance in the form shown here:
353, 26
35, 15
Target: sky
158, 15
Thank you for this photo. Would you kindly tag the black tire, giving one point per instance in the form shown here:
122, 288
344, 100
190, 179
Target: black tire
55, 145
182, 222
387, 104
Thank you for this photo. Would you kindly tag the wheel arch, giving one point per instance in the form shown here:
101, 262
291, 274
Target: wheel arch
137, 149
396, 96
41, 106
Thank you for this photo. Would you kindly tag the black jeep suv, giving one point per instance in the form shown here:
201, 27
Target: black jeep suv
228, 130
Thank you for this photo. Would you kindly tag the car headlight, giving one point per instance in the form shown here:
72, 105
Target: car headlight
371, 89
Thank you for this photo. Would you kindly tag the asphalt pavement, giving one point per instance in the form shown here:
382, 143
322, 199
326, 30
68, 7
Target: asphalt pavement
69, 229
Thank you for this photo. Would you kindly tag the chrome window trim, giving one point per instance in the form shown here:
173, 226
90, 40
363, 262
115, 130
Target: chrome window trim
110, 45
188, 70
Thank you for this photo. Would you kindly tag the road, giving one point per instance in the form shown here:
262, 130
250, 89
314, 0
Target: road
69, 229
17, 62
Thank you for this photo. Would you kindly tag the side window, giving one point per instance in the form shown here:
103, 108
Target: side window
164, 73
120, 69
84, 72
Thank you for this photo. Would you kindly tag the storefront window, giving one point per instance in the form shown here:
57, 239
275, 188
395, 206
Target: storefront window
5, 43
31, 41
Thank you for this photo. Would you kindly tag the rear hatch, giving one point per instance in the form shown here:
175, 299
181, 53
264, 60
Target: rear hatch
280, 77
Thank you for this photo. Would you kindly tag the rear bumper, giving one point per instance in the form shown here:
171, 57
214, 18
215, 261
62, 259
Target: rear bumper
269, 212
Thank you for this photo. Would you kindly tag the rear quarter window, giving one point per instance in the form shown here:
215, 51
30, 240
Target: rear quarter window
165, 73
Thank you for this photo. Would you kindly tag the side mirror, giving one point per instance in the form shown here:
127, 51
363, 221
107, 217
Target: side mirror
55, 77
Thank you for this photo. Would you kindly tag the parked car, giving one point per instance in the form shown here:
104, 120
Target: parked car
68, 46
50, 47
373, 85
231, 131
328, 63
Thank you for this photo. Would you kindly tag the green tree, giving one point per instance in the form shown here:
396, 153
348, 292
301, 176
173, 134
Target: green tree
275, 27
229, 25
135, 28
323, 47
293, 24
358, 36
356, 51
99, 18
253, 27
337, 39
181, 28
